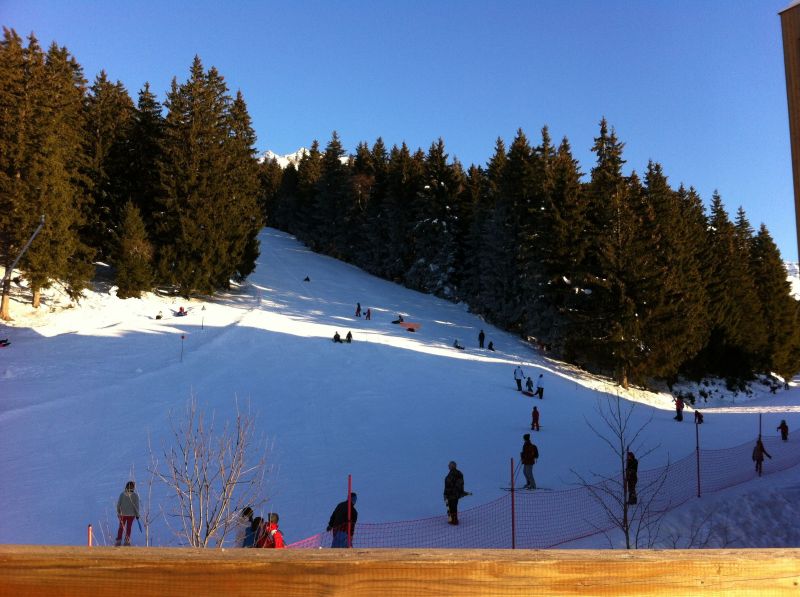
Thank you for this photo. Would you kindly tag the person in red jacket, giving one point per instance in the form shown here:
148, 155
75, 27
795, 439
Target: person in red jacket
272, 536
528, 458
535, 419
679, 408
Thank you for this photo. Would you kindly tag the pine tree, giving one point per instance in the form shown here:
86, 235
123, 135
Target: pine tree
133, 255
146, 142
404, 182
309, 170
332, 230
270, 175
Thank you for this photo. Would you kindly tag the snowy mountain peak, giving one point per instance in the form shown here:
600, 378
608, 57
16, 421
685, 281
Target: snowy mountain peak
283, 160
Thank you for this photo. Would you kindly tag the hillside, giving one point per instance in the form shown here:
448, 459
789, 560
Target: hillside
86, 387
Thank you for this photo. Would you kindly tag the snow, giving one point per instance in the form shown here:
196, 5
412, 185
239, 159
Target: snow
84, 387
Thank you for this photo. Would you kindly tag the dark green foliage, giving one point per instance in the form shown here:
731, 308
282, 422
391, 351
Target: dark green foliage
133, 255
145, 144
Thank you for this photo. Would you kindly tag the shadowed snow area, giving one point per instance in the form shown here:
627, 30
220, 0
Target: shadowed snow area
84, 388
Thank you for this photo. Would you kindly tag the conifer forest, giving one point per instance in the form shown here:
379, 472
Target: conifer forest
620, 274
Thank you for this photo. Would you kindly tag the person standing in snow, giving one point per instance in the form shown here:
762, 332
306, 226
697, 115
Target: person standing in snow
529, 385
679, 408
481, 338
540, 387
358, 309
631, 477
338, 523
784, 429
518, 377
127, 510
535, 419
453, 491
368, 314
528, 457
759, 451
349, 337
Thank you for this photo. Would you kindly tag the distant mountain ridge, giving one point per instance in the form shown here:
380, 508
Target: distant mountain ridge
290, 158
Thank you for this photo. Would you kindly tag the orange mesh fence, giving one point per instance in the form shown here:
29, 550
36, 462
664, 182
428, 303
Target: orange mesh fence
545, 519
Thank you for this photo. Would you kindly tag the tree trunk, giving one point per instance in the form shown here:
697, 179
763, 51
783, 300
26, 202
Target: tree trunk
4, 306
37, 298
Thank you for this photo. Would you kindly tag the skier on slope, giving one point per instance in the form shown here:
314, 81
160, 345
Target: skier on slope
453, 491
518, 377
127, 510
528, 457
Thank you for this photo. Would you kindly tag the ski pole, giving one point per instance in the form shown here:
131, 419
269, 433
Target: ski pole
140, 525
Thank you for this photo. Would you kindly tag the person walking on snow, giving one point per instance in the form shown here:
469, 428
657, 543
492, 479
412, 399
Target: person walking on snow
453, 491
631, 477
528, 457
784, 429
338, 523
127, 510
679, 409
758, 455
518, 377
540, 387
481, 338
358, 309
535, 419
368, 314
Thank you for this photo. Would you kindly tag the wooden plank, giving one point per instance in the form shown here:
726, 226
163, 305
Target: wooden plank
33, 570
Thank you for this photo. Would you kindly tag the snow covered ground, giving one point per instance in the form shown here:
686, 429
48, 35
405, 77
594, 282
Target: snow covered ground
83, 388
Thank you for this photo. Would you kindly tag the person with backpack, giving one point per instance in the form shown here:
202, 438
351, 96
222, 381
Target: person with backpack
758, 455
528, 457
631, 477
127, 510
518, 377
339, 523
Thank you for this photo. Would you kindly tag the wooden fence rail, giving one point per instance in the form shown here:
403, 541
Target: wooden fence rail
52, 571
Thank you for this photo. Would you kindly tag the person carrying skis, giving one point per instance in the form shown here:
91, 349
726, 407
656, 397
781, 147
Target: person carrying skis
453, 491
631, 477
784, 429
127, 510
540, 387
528, 457
338, 523
679, 409
481, 338
358, 309
759, 451
535, 419
518, 377
272, 537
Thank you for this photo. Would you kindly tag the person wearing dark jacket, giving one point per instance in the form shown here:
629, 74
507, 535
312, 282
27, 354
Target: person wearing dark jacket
127, 510
338, 523
349, 337
481, 338
631, 477
758, 455
453, 491
253, 532
491, 346
784, 429
358, 309
337, 338
528, 457
535, 419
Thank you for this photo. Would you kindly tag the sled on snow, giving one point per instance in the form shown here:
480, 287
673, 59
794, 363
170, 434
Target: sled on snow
411, 327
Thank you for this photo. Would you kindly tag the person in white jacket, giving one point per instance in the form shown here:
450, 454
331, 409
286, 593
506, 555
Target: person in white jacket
518, 377
127, 510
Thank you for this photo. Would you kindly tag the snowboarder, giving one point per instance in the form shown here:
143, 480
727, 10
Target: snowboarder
631, 477
535, 419
784, 429
528, 457
491, 346
358, 309
127, 510
529, 386
457, 345
679, 409
758, 455
339, 524
481, 338
272, 537
698, 417
349, 337
243, 525
540, 387
518, 377
253, 532
337, 337
368, 314
453, 491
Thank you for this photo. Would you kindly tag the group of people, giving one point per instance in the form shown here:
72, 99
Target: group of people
481, 338
258, 532
537, 391
338, 339
367, 313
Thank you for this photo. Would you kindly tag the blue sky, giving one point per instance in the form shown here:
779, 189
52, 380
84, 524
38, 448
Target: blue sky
697, 85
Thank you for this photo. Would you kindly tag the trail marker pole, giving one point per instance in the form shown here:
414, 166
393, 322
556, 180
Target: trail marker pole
182, 339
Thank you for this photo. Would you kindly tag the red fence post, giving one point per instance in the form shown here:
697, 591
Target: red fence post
349, 510
697, 449
513, 513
